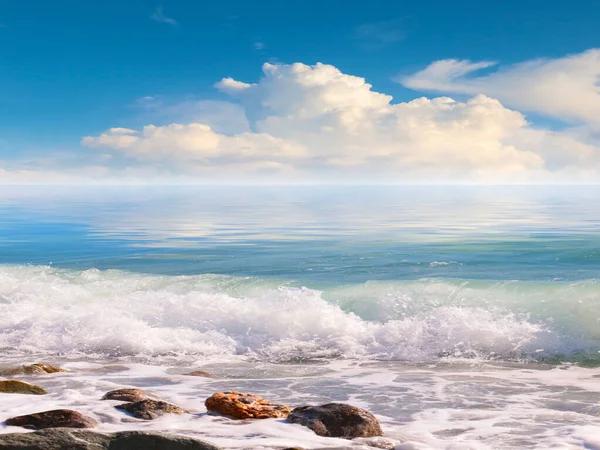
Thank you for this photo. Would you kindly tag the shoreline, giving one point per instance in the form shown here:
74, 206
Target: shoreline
424, 406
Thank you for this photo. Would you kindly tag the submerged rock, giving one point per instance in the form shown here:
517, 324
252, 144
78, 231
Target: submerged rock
109, 369
20, 387
200, 373
149, 409
34, 369
245, 406
129, 395
337, 420
63, 438
57, 418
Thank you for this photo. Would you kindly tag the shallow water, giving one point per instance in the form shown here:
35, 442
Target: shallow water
462, 317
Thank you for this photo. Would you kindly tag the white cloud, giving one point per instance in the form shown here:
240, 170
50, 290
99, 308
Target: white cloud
231, 86
197, 143
159, 16
566, 88
315, 122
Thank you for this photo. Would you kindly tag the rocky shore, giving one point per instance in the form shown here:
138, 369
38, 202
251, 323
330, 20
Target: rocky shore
71, 429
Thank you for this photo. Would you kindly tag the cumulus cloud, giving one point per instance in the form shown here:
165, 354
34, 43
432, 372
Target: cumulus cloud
315, 121
199, 143
566, 88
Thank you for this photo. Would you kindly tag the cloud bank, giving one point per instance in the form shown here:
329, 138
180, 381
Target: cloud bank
315, 122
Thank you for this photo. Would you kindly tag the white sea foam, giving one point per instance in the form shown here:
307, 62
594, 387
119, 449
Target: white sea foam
451, 406
114, 313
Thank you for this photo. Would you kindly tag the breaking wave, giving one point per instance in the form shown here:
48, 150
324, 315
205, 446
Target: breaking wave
114, 313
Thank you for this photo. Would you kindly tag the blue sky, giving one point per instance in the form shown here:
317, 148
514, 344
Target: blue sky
74, 69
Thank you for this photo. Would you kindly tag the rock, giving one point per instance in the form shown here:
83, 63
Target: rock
20, 387
109, 369
149, 409
337, 420
34, 369
245, 406
63, 418
64, 438
129, 395
200, 373
129, 440
55, 439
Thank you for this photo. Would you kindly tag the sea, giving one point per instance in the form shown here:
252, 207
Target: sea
463, 317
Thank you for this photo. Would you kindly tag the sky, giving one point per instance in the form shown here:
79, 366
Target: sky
329, 91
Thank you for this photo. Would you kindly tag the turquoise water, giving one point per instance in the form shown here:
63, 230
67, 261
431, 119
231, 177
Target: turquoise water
402, 273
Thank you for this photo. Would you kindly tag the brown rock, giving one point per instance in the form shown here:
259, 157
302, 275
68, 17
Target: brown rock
58, 418
129, 395
245, 406
200, 373
149, 409
337, 420
20, 387
34, 369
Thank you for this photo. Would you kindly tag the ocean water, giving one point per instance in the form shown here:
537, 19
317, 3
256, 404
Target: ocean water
463, 317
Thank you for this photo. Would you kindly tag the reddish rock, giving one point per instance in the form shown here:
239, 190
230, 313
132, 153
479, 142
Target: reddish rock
58, 418
245, 406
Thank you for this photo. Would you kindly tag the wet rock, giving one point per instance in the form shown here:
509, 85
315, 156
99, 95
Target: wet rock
337, 420
245, 406
109, 369
57, 418
63, 438
149, 409
20, 387
200, 373
129, 440
34, 369
129, 395
55, 439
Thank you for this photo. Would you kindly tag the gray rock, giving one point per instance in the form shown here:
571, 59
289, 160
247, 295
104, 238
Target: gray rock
337, 420
64, 438
55, 439
150, 409
129, 440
